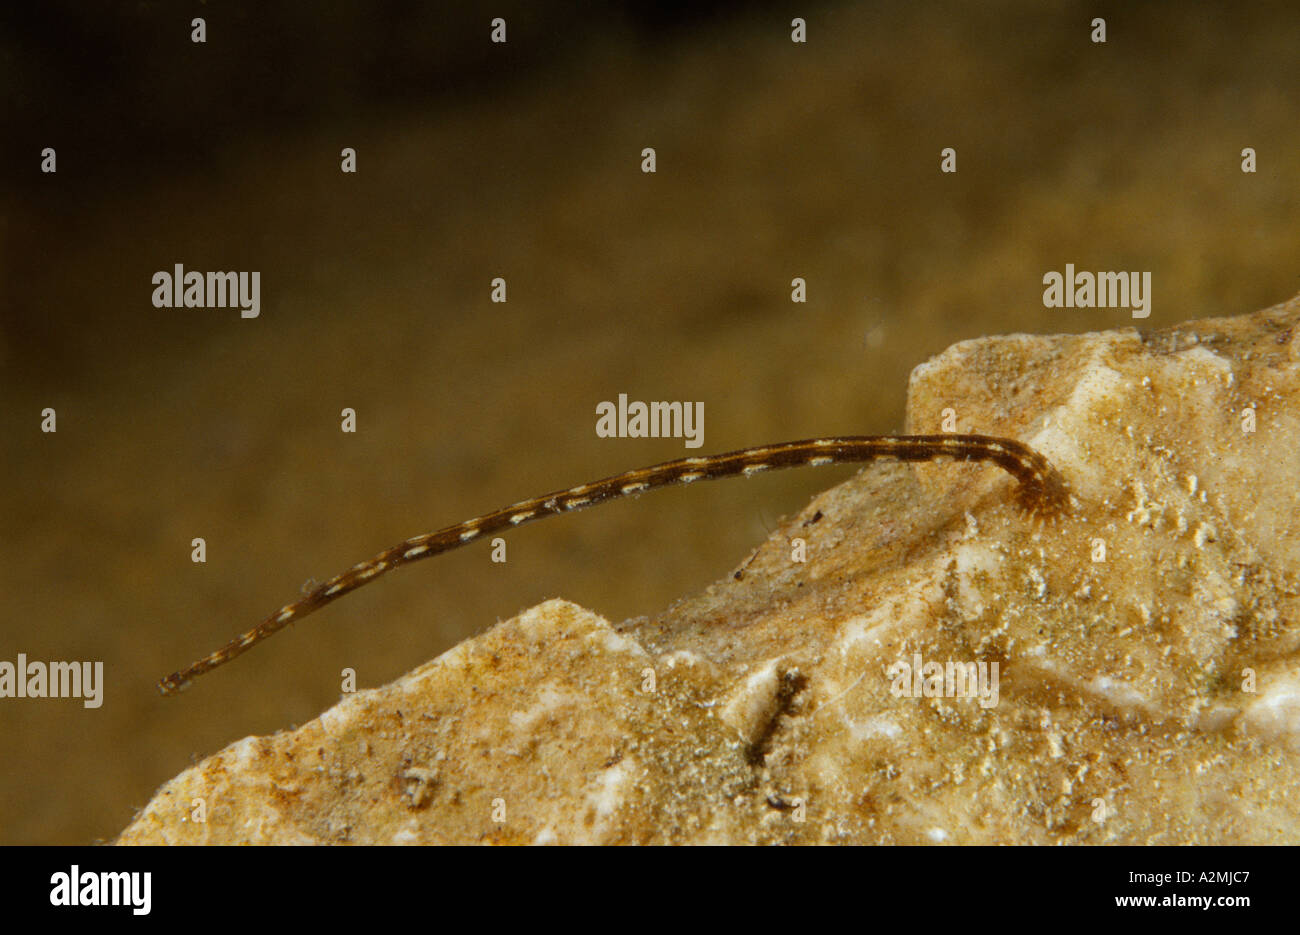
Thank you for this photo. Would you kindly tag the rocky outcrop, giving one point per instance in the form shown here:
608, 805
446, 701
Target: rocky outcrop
911, 659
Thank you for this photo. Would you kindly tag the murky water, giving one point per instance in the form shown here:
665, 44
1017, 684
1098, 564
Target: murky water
775, 160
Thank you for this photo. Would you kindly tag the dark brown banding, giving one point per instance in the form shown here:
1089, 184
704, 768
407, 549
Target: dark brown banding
1041, 491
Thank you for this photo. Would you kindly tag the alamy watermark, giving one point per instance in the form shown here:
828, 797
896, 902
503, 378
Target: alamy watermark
921, 679
1086, 289
104, 888
179, 289
53, 680
637, 419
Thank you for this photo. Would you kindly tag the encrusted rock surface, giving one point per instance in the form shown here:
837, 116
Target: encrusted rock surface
1146, 640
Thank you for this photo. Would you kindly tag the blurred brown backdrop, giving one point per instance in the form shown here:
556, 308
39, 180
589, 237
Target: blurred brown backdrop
775, 160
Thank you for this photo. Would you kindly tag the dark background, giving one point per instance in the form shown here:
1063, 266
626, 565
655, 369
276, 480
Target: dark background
476, 160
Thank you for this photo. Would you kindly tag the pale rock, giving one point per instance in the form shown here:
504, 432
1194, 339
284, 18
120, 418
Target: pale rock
1123, 713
